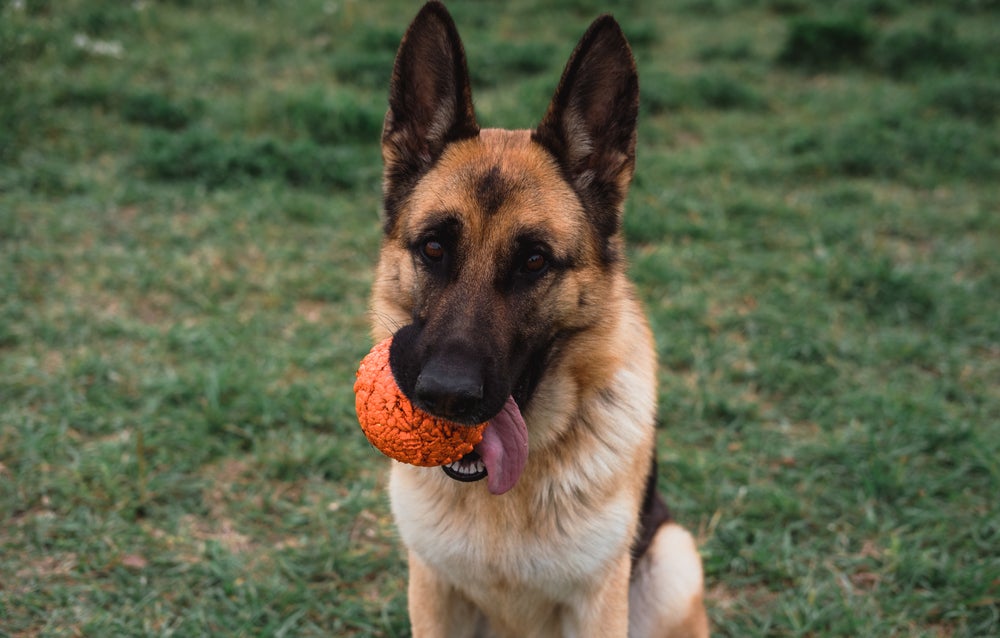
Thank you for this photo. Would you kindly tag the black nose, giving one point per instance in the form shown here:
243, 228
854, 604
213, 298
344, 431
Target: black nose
450, 387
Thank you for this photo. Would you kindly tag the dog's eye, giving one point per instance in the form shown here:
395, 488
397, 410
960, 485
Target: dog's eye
535, 263
432, 250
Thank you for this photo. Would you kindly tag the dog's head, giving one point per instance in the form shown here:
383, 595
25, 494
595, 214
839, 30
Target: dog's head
498, 245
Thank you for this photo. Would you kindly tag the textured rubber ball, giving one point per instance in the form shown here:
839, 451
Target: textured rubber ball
396, 427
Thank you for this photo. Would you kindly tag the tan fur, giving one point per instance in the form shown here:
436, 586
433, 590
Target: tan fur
551, 557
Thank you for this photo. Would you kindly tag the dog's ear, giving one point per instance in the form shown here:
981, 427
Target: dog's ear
430, 103
590, 125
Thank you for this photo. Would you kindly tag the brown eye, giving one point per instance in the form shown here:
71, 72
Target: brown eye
534, 263
433, 250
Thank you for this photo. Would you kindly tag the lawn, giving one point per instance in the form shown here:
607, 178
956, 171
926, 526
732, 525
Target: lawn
189, 201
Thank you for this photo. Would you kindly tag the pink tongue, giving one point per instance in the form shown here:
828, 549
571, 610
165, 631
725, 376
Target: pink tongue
504, 448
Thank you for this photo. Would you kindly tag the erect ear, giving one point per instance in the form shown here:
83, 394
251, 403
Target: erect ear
590, 125
430, 103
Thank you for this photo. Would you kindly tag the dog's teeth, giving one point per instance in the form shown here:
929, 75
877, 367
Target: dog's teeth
471, 468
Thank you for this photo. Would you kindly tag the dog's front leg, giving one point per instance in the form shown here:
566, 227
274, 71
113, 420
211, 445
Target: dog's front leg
604, 610
437, 610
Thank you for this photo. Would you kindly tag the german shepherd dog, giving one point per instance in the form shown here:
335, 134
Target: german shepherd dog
502, 278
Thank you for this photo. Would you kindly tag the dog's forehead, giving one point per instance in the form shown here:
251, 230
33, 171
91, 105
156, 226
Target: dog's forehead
499, 178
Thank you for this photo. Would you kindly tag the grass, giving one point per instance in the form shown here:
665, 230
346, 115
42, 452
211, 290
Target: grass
188, 200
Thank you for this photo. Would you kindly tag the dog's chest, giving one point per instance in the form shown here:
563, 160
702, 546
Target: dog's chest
481, 543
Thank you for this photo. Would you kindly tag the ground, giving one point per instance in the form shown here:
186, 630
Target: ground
188, 225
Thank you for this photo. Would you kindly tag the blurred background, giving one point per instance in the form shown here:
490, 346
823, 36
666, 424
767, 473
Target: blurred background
189, 196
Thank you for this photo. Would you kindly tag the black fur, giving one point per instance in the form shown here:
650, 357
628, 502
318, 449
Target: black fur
491, 190
653, 514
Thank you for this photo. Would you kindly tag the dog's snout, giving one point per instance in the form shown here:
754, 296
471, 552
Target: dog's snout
451, 388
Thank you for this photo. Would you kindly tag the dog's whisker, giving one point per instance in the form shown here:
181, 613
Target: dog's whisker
387, 322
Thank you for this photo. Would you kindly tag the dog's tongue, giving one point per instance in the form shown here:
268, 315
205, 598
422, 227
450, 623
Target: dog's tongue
504, 448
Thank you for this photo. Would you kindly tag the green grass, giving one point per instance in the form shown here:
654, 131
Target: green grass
188, 225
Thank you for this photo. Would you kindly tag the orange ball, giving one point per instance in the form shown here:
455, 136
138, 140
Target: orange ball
399, 429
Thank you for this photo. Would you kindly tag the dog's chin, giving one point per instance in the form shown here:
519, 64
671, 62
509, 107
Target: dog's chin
471, 467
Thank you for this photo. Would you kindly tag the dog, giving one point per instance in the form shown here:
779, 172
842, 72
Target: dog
501, 278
